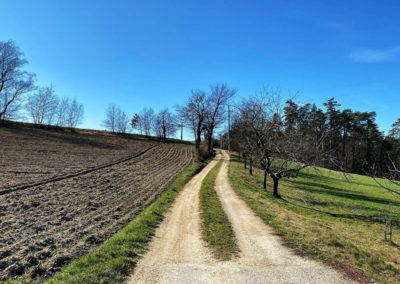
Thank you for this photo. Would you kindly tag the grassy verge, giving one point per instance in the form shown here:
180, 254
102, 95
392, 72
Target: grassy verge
324, 216
115, 259
216, 228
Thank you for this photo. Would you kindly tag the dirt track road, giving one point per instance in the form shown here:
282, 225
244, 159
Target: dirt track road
178, 254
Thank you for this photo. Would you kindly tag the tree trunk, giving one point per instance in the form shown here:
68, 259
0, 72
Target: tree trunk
265, 178
210, 143
276, 183
245, 162
344, 157
251, 166
198, 139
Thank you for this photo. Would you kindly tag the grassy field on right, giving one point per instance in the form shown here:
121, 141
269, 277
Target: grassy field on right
328, 217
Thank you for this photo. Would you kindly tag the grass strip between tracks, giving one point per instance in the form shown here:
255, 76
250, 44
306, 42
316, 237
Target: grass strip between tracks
115, 259
216, 228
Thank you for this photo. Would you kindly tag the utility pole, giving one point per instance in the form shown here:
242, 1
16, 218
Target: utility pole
181, 131
229, 128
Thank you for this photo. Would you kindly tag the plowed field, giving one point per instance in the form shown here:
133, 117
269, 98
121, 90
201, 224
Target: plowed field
61, 194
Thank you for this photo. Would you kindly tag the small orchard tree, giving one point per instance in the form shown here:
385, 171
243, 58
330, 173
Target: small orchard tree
281, 151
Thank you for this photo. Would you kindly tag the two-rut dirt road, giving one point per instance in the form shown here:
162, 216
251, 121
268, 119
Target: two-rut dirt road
178, 254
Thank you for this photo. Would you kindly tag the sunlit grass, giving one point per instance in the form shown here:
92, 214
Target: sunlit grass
323, 214
216, 228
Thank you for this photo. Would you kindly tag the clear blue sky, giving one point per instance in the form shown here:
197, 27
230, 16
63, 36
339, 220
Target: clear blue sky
152, 53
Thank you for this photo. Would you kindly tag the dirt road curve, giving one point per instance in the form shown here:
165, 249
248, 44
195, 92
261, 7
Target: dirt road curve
178, 255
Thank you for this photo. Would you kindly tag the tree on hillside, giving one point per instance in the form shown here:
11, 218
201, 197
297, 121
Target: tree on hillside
61, 112
14, 81
216, 115
134, 121
74, 115
165, 124
42, 105
110, 122
116, 120
122, 122
145, 121
195, 113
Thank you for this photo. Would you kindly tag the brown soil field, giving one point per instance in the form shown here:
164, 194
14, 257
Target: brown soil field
63, 193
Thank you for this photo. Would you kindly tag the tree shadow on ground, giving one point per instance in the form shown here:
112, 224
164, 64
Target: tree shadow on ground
316, 187
366, 218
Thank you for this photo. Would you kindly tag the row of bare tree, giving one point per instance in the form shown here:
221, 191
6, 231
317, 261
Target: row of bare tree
42, 104
283, 139
203, 113
258, 133
44, 107
147, 122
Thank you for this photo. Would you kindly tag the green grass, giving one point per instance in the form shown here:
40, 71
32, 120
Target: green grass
325, 216
216, 228
116, 258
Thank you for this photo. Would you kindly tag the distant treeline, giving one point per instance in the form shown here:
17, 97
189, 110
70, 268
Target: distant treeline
337, 139
353, 138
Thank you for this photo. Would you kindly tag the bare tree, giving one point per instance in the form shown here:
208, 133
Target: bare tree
165, 124
14, 82
42, 105
61, 112
75, 114
217, 102
195, 113
110, 122
146, 121
122, 121
243, 140
280, 153
139, 125
391, 181
186, 119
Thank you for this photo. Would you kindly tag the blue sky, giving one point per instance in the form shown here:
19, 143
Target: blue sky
152, 53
